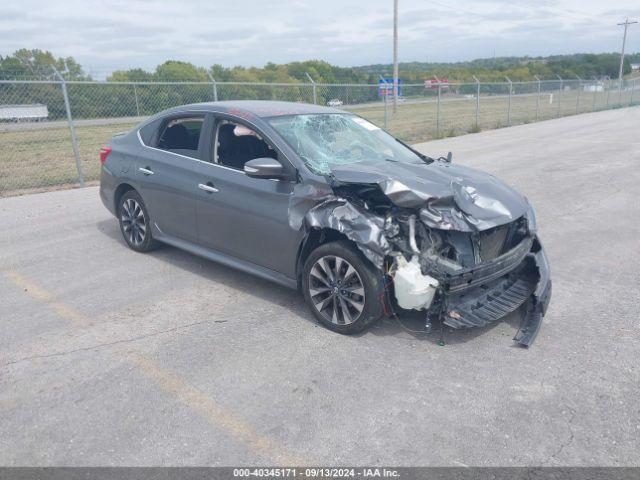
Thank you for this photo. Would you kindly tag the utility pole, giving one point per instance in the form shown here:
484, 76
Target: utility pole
395, 56
624, 41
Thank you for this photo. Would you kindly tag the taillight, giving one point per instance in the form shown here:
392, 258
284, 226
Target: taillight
104, 152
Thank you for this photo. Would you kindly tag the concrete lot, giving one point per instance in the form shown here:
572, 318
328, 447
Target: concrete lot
109, 357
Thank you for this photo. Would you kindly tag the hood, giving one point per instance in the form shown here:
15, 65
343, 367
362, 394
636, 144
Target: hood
448, 196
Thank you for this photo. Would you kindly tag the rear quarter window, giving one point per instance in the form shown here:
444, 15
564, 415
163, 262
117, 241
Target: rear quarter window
148, 131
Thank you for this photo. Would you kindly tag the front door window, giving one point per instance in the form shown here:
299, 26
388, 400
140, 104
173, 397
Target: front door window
237, 144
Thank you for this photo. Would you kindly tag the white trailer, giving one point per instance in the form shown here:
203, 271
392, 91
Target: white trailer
34, 112
593, 87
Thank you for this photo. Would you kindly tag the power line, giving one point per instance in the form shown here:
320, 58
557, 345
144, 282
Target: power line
462, 10
495, 19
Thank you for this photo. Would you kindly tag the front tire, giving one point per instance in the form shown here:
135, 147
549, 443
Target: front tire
342, 288
135, 224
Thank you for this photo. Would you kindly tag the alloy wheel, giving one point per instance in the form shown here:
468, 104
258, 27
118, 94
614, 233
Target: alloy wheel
134, 223
336, 290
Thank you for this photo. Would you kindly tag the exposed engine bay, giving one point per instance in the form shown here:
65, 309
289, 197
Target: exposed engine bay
456, 243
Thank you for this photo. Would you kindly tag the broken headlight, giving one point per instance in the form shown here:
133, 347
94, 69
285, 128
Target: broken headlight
532, 223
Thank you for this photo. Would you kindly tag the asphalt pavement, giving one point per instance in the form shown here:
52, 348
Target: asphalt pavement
110, 357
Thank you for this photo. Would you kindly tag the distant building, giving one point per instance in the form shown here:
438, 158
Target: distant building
635, 66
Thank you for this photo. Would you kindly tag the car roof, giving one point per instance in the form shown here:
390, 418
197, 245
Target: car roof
259, 108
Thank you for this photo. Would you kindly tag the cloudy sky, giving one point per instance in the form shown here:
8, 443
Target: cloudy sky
108, 34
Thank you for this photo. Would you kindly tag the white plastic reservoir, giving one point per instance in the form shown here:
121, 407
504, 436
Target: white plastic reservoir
413, 290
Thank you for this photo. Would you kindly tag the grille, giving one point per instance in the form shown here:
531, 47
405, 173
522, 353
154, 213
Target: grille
491, 242
494, 242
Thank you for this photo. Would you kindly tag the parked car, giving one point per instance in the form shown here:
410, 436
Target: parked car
322, 200
334, 103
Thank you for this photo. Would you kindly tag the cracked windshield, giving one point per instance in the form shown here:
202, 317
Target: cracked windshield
327, 140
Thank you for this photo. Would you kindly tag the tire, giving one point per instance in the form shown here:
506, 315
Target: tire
135, 224
337, 278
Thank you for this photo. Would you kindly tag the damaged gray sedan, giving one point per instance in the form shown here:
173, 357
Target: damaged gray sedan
323, 200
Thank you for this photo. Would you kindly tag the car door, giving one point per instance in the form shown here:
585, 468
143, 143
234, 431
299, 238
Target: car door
168, 175
247, 217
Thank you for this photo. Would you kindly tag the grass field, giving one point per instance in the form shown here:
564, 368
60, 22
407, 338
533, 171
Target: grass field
418, 122
32, 159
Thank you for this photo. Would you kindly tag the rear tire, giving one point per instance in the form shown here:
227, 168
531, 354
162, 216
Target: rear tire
342, 288
135, 223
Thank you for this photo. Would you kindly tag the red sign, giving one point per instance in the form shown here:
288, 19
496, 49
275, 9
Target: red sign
433, 84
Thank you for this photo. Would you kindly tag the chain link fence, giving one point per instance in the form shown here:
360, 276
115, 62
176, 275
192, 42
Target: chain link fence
44, 144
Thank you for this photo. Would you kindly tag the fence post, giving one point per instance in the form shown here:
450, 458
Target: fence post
477, 102
560, 93
386, 110
315, 92
74, 141
620, 84
608, 89
215, 86
578, 99
438, 113
633, 87
135, 94
537, 98
509, 104
595, 93
386, 103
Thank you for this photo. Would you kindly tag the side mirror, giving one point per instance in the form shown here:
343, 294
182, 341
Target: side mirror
264, 168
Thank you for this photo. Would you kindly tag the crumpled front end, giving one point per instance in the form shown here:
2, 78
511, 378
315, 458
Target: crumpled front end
476, 277
487, 300
458, 244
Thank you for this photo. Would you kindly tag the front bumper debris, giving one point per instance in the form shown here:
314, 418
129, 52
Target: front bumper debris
529, 284
538, 303
457, 244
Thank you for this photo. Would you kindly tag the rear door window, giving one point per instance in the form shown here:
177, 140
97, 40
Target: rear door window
182, 136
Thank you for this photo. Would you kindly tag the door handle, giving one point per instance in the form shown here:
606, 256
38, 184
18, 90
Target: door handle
208, 187
145, 170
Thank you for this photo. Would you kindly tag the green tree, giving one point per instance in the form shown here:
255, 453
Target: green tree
36, 63
133, 75
176, 71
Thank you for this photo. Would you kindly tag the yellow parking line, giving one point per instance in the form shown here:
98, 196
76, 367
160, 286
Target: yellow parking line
208, 409
169, 382
34, 291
